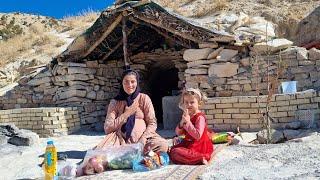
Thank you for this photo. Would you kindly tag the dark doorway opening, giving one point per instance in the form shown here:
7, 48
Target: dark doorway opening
162, 82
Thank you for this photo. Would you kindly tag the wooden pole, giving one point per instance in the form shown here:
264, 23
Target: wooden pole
125, 42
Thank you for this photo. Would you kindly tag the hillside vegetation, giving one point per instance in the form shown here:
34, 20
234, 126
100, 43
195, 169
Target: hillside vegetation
286, 14
30, 40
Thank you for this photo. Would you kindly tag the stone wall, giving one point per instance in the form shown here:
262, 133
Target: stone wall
88, 86
43, 121
219, 72
227, 72
227, 113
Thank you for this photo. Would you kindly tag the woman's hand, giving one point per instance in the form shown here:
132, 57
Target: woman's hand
130, 110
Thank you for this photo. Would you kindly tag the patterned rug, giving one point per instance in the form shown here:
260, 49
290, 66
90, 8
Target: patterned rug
170, 172
174, 172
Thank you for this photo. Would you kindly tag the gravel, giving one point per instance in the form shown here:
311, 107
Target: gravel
297, 159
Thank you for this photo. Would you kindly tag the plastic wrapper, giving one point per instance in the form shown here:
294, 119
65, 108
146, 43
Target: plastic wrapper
151, 161
66, 170
111, 157
122, 157
221, 137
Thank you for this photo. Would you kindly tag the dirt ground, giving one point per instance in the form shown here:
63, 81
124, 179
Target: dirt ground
298, 159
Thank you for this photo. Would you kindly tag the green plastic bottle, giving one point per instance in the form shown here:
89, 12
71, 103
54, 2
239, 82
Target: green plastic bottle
50, 161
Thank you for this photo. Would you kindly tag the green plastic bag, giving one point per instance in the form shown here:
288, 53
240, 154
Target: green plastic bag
222, 137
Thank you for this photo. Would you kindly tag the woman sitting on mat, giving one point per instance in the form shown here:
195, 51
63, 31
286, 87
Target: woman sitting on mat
131, 118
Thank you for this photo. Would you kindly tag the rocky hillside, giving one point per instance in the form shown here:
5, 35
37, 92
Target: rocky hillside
28, 41
286, 14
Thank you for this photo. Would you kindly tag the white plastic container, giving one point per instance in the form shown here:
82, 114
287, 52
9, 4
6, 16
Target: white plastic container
289, 87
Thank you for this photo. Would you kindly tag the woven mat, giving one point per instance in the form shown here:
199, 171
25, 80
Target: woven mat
172, 171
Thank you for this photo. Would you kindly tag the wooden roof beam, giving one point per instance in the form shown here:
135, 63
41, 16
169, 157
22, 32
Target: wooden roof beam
118, 45
161, 33
173, 31
104, 35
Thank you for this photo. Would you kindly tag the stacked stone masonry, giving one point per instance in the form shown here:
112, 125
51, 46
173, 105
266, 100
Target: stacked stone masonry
226, 72
221, 72
88, 86
44, 121
227, 113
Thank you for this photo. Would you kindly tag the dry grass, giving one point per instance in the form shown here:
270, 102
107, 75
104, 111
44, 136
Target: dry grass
12, 47
21, 45
175, 4
38, 40
79, 23
210, 7
201, 8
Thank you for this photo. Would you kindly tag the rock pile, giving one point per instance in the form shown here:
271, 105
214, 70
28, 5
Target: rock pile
9, 133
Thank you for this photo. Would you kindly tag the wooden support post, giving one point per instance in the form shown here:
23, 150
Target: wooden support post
117, 46
125, 42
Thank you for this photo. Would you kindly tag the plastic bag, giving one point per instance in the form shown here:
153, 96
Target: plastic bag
151, 161
66, 170
112, 157
122, 157
221, 137
94, 162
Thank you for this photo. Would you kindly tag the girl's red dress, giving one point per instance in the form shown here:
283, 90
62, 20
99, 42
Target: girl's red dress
192, 151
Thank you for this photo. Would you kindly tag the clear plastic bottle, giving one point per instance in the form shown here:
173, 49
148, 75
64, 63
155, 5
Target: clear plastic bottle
50, 161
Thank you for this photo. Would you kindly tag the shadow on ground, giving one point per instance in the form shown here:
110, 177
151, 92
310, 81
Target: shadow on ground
62, 155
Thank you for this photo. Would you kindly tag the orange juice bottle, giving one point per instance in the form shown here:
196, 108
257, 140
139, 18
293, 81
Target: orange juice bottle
50, 161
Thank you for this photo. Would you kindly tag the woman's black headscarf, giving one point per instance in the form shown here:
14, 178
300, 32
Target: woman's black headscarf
123, 96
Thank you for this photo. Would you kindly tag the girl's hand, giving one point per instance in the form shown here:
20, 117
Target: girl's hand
175, 140
186, 116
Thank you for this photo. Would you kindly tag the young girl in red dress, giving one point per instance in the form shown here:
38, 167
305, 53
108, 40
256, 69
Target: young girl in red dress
196, 147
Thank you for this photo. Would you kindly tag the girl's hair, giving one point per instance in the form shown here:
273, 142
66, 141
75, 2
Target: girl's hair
196, 93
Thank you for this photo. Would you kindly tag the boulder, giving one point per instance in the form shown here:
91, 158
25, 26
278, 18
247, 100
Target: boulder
215, 53
308, 28
271, 46
291, 134
196, 71
81, 70
38, 81
72, 93
24, 138
223, 69
200, 62
8, 129
293, 125
92, 64
196, 54
302, 54
91, 95
314, 54
101, 95
226, 55
276, 136
72, 77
